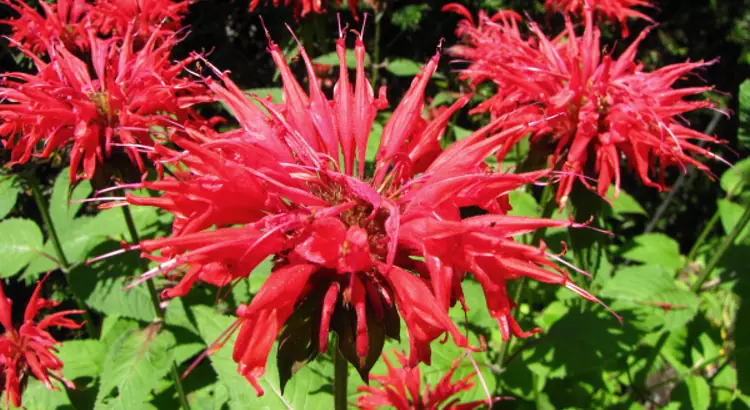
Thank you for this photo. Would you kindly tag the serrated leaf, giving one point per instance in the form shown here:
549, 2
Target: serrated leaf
651, 290
8, 194
624, 203
20, 242
308, 389
82, 358
743, 133
101, 285
134, 365
657, 249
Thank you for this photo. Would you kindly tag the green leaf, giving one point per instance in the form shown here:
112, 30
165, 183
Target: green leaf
694, 393
730, 214
61, 210
625, 203
403, 67
37, 396
657, 249
651, 292
135, 364
20, 242
373, 142
82, 358
523, 204
101, 285
743, 133
737, 179
409, 17
333, 59
8, 194
742, 341
308, 389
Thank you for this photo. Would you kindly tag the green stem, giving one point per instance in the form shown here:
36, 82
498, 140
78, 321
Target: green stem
548, 207
723, 247
41, 203
376, 47
340, 376
174, 371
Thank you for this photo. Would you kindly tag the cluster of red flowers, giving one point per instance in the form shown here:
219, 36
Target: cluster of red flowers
31, 348
402, 390
302, 8
131, 87
361, 245
600, 108
616, 11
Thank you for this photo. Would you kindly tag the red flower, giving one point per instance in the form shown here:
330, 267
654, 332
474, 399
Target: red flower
599, 108
31, 348
63, 21
401, 389
65, 103
616, 11
352, 250
148, 16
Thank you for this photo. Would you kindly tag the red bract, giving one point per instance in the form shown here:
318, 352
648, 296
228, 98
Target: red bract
401, 389
616, 11
302, 8
63, 21
600, 109
65, 103
30, 349
352, 251
148, 16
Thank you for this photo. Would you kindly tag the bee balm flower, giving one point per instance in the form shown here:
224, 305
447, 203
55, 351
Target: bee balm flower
616, 11
30, 349
355, 247
601, 109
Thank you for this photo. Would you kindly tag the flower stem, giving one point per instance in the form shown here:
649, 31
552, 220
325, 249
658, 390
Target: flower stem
340, 376
723, 247
711, 224
174, 372
376, 46
41, 204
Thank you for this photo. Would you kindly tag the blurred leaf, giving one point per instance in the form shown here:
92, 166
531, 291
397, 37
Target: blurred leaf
694, 393
657, 249
308, 389
625, 203
730, 214
652, 291
82, 358
8, 194
460, 133
409, 17
134, 365
37, 396
743, 133
523, 204
739, 175
742, 341
61, 210
333, 59
20, 242
403, 67
211, 397
101, 286
373, 142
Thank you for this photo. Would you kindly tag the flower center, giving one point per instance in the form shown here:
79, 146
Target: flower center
103, 109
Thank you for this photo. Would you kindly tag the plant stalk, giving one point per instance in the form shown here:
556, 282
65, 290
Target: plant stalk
42, 205
174, 371
723, 247
711, 224
340, 378
376, 46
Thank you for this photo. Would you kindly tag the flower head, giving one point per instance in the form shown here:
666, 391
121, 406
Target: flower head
616, 11
302, 8
63, 21
65, 102
401, 389
30, 349
599, 108
148, 16
355, 245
